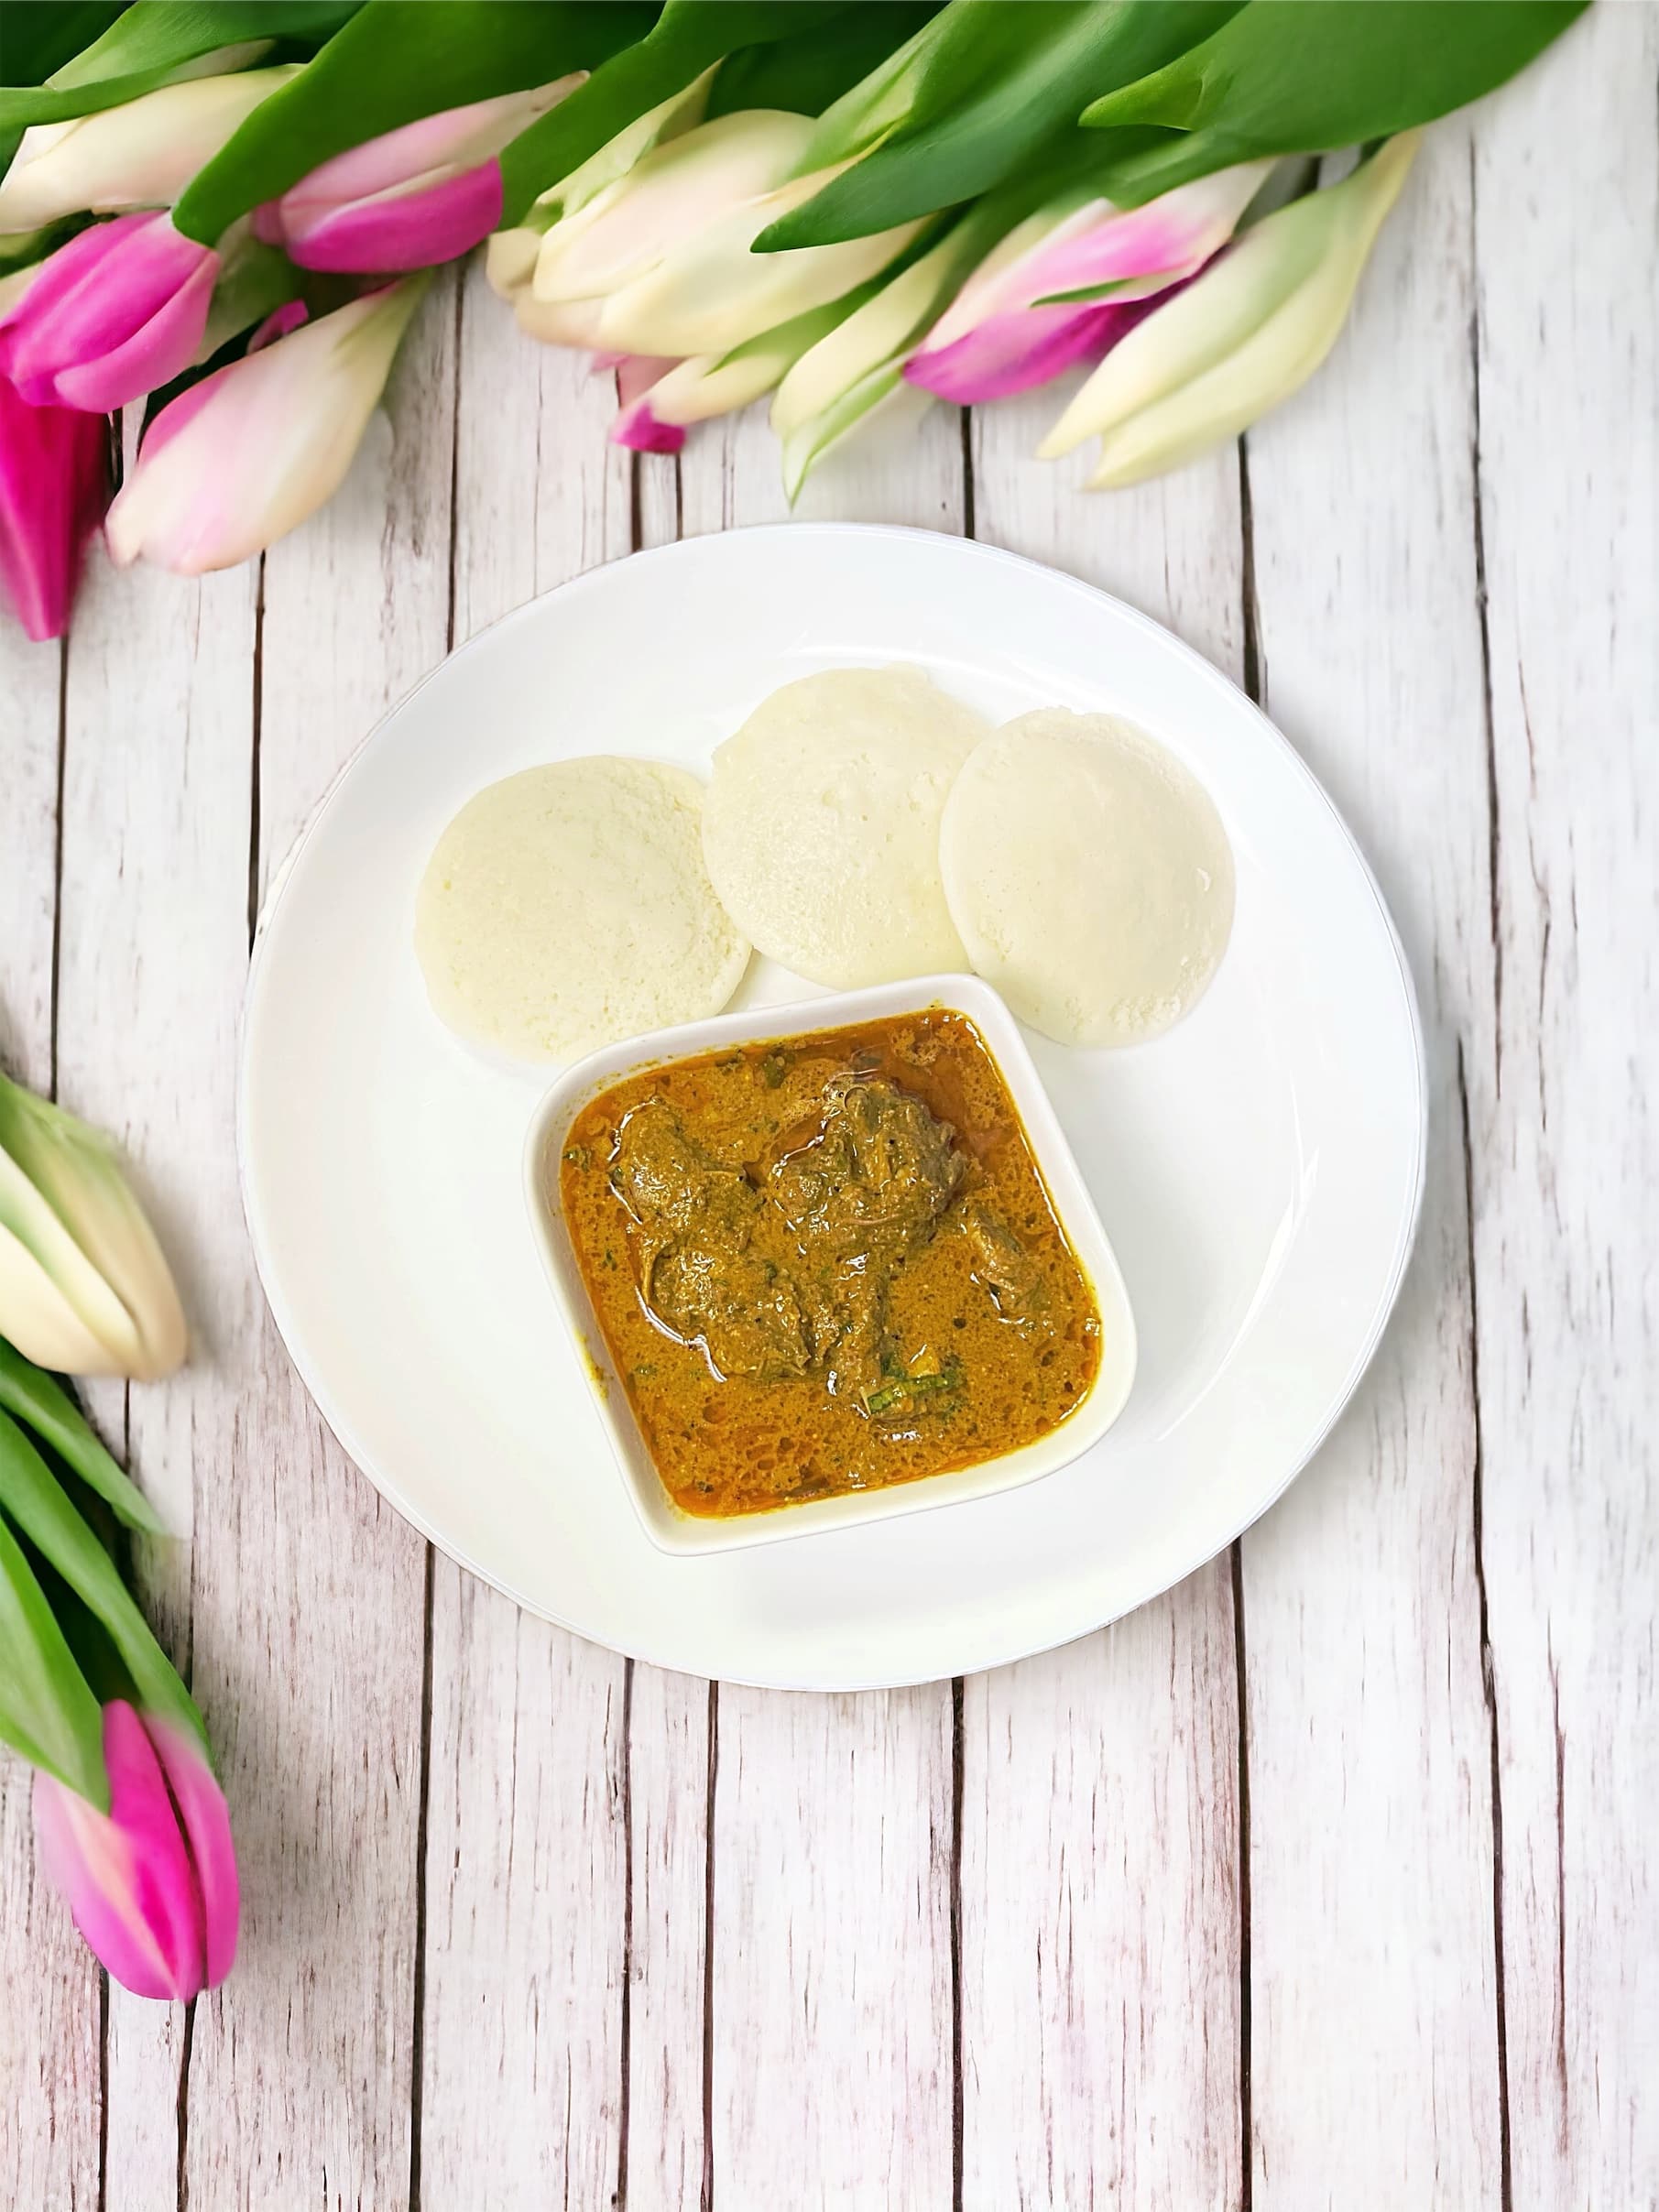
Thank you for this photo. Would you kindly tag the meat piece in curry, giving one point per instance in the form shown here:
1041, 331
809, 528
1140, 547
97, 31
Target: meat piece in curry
826, 1263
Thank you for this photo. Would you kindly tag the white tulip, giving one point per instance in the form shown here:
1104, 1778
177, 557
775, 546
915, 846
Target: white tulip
711, 292
142, 154
1242, 336
83, 1286
850, 373
674, 193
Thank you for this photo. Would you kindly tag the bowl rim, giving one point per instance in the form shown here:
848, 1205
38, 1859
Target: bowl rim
668, 1526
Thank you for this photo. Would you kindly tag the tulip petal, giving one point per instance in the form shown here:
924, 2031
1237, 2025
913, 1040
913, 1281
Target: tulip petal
261, 443
454, 139
660, 395
75, 1171
669, 198
207, 1828
401, 231
31, 1230
509, 260
117, 311
1165, 237
61, 279
162, 349
636, 373
1241, 337
638, 429
1011, 352
54, 485
141, 154
126, 1875
559, 321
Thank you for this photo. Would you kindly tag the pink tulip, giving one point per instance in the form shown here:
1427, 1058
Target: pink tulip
410, 198
1008, 330
151, 1884
1017, 352
249, 452
54, 486
118, 311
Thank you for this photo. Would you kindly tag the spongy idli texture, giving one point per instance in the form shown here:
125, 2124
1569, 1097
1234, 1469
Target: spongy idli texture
821, 827
568, 907
1089, 874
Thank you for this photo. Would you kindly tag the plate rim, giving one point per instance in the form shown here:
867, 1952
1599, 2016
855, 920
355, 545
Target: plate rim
1166, 639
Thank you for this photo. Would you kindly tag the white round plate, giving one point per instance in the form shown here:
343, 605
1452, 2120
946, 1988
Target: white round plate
1258, 1168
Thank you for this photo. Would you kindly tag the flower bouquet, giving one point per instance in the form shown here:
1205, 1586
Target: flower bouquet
226, 214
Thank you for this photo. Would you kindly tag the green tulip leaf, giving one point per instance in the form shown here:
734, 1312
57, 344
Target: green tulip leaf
1308, 76
394, 62
32, 1498
40, 36
47, 1711
983, 91
34, 1398
153, 41
803, 74
45, 36
689, 36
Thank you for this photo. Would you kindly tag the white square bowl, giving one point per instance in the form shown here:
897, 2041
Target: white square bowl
664, 1521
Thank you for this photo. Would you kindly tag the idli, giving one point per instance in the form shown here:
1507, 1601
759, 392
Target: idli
821, 828
1089, 875
568, 907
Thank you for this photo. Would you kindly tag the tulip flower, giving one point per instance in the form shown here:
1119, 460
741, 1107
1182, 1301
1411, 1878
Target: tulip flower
1240, 337
117, 311
54, 486
244, 455
84, 1285
410, 198
840, 381
660, 398
132, 1826
511, 255
142, 154
670, 195
1058, 288
151, 1884
659, 261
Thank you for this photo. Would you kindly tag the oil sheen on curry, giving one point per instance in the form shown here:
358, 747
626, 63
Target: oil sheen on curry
826, 1263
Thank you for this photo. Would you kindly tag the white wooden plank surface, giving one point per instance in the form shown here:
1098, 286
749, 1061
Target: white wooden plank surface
153, 904
1374, 2045
309, 2099
50, 2049
1101, 1932
1035, 1946
526, 1871
1566, 1138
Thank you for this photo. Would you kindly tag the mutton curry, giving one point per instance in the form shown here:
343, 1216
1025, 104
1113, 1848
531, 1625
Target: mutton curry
826, 1263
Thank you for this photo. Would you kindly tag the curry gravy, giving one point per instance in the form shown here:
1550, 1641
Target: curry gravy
826, 1263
